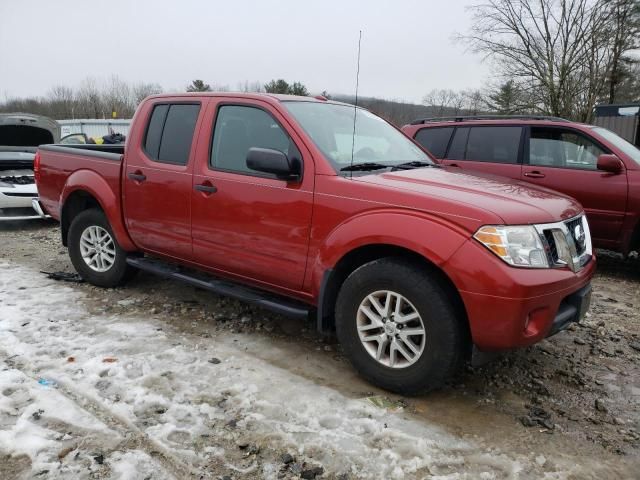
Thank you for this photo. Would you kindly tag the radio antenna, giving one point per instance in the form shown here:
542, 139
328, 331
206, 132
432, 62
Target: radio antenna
355, 106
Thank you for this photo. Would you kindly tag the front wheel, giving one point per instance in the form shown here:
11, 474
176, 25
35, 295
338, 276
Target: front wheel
398, 327
95, 252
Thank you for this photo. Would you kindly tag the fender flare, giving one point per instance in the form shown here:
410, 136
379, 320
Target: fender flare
433, 238
90, 182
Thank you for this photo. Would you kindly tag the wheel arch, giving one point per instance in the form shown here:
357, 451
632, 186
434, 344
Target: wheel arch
634, 241
333, 279
77, 202
86, 189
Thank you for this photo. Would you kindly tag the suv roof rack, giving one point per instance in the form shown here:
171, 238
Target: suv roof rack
488, 117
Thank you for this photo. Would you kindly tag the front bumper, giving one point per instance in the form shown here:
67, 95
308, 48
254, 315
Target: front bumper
572, 309
510, 307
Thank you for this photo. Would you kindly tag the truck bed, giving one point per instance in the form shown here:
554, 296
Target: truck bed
62, 167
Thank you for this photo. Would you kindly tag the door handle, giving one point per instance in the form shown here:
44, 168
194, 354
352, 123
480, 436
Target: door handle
206, 188
534, 174
137, 176
454, 165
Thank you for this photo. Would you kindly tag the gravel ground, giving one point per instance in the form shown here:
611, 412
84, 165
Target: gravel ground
568, 407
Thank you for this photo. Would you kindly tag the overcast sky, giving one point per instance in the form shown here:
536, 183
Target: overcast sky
407, 46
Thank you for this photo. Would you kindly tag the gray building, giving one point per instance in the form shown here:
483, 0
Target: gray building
623, 119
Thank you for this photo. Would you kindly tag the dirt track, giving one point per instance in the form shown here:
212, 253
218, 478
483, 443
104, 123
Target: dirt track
574, 397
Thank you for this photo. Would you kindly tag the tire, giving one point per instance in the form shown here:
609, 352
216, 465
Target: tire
104, 272
441, 348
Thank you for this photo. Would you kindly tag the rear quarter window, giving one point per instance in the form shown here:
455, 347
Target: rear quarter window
154, 130
436, 140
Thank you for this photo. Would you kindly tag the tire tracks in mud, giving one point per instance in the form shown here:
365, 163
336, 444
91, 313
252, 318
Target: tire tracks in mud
134, 438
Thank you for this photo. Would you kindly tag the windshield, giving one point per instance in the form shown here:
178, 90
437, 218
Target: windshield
331, 127
620, 143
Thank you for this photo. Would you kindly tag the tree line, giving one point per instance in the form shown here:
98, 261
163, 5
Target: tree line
116, 98
113, 98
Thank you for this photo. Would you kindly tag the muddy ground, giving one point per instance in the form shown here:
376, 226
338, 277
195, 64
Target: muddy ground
576, 394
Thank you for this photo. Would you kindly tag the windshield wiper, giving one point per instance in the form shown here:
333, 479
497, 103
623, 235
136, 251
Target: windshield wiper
364, 167
414, 164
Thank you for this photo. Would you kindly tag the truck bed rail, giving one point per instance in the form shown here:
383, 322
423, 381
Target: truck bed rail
104, 152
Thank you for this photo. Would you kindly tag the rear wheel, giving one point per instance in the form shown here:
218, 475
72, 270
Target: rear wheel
398, 327
94, 250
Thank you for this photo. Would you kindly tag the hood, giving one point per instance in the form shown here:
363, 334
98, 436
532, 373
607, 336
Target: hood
516, 202
26, 130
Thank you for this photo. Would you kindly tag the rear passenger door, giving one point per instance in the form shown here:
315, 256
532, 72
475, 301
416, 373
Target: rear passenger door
487, 148
157, 179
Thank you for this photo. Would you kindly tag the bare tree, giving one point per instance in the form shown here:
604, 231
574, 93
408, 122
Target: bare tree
444, 100
89, 100
474, 101
117, 98
141, 91
250, 87
62, 102
625, 34
558, 51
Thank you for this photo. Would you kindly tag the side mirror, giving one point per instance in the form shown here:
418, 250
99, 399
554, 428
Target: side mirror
609, 164
273, 161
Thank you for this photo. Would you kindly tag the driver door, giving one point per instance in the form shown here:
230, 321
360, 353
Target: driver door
247, 223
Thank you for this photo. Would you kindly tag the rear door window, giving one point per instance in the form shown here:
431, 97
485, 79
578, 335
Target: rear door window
494, 144
154, 130
436, 140
170, 132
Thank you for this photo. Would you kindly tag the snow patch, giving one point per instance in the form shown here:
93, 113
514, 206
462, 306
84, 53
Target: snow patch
164, 385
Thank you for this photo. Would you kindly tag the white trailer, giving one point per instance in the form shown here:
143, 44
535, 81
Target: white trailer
95, 128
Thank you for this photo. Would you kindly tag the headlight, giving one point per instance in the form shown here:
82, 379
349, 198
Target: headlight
518, 246
6, 185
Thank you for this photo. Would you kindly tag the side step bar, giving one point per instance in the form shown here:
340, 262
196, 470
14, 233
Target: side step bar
266, 300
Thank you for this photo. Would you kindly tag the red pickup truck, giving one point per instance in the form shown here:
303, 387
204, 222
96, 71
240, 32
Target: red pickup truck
310, 207
589, 163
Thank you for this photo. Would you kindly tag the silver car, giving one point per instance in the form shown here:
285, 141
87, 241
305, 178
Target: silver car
20, 135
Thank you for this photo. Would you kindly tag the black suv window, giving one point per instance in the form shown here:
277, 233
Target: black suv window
486, 144
240, 128
494, 144
170, 132
436, 140
557, 147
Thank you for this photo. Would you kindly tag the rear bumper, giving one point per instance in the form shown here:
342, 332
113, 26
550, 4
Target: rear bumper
511, 307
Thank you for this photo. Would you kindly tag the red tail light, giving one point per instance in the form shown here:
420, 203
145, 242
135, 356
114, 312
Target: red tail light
36, 167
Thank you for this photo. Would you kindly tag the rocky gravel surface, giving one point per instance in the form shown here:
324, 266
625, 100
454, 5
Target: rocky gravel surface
577, 392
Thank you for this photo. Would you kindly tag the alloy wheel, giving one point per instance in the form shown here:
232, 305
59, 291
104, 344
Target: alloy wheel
97, 248
391, 329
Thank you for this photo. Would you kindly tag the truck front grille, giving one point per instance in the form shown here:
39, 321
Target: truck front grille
567, 243
18, 180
